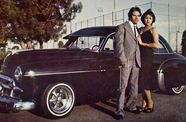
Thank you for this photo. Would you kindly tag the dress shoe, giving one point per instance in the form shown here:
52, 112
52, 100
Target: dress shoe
118, 115
134, 110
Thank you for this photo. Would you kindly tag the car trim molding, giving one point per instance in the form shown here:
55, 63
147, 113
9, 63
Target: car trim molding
105, 41
164, 46
165, 53
161, 81
33, 74
10, 80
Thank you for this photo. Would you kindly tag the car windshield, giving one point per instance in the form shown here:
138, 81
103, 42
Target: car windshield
90, 43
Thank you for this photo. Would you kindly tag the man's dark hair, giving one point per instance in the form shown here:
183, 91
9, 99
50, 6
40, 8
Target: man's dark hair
132, 10
148, 12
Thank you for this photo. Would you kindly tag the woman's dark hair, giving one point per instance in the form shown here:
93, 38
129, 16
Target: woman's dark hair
148, 12
132, 10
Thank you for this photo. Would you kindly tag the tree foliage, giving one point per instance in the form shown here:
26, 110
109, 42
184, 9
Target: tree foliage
40, 20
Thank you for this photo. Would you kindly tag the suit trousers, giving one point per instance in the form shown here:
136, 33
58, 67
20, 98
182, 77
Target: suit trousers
128, 80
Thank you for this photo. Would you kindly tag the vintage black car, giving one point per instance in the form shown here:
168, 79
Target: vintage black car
54, 80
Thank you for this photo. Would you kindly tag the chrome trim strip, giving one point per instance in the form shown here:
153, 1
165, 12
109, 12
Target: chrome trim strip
7, 79
59, 73
13, 86
161, 81
161, 42
5, 86
105, 41
165, 53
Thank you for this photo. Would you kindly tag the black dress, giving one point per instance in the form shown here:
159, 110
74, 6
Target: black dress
146, 61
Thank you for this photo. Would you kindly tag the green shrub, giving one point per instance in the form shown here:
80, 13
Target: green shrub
2, 54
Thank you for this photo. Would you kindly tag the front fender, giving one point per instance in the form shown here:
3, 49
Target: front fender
38, 75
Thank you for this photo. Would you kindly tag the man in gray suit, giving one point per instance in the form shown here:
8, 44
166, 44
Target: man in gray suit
128, 54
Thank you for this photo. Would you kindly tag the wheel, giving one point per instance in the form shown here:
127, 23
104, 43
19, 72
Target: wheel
95, 47
176, 90
58, 100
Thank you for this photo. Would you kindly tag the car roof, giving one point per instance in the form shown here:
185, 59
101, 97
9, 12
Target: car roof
92, 31
103, 31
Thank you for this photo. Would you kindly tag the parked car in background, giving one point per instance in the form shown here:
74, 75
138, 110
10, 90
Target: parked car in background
10, 46
55, 80
183, 43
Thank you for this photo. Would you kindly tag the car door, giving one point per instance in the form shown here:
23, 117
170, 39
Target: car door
91, 63
109, 68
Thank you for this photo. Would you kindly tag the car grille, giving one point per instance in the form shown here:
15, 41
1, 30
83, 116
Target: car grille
8, 87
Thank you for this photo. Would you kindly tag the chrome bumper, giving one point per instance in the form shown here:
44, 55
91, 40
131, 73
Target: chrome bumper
8, 103
10, 95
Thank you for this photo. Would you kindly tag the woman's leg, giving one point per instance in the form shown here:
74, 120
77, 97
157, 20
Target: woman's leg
150, 102
144, 101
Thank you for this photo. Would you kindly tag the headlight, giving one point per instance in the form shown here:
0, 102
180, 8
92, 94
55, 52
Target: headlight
18, 73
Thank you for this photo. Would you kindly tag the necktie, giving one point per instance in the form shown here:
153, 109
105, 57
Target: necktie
135, 34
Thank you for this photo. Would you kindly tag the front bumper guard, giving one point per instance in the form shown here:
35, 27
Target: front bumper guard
10, 101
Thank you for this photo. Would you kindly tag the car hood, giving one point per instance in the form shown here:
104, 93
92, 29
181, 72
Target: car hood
29, 57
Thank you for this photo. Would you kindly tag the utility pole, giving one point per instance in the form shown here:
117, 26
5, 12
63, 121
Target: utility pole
185, 17
169, 23
100, 10
114, 5
177, 32
114, 12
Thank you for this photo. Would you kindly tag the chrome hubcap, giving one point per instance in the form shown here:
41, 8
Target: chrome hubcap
60, 99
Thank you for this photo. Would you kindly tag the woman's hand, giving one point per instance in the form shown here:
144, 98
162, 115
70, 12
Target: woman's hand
141, 43
139, 39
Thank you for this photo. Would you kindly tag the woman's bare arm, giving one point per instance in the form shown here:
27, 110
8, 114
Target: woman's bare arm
155, 38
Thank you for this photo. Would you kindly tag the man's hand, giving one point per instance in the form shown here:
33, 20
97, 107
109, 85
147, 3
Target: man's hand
123, 63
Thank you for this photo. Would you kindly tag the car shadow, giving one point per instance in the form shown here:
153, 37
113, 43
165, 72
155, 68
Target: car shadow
159, 92
38, 113
6, 111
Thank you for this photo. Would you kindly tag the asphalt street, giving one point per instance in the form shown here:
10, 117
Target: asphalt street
168, 108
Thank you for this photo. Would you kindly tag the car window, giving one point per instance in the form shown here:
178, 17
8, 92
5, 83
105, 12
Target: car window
109, 45
160, 49
88, 42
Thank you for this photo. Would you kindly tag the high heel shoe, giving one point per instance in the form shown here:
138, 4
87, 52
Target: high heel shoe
141, 109
149, 110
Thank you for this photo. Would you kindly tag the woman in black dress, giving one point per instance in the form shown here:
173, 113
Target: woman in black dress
148, 40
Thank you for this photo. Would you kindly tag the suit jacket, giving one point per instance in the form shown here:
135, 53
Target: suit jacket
125, 44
